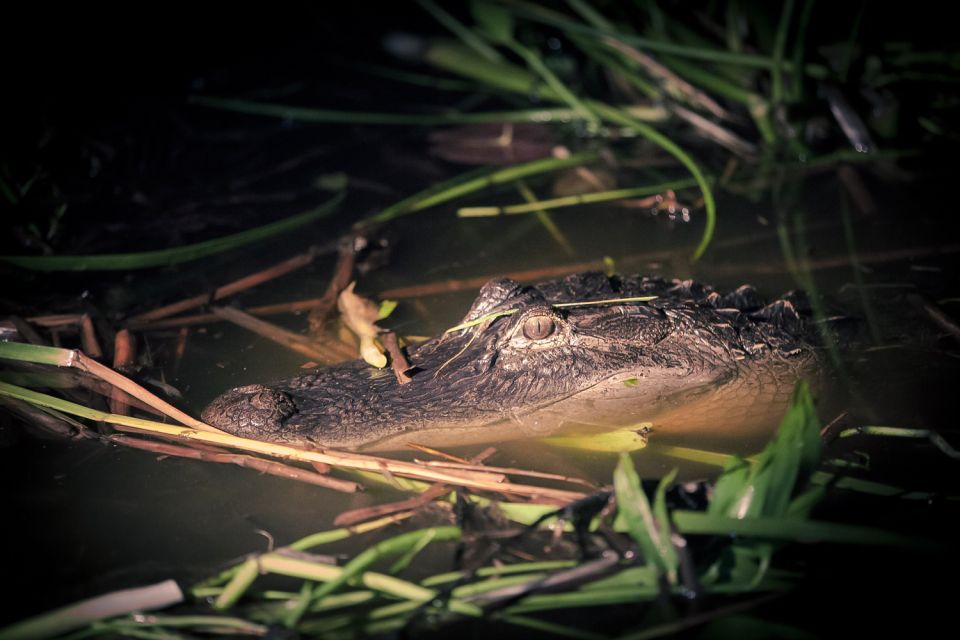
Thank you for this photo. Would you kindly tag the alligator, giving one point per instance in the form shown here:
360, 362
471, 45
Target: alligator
525, 362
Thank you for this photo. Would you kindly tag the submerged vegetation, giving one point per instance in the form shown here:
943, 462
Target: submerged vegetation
662, 108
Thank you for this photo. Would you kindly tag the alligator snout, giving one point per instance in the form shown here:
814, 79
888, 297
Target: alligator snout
250, 411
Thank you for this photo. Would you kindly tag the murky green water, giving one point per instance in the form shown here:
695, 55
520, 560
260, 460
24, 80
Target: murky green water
81, 518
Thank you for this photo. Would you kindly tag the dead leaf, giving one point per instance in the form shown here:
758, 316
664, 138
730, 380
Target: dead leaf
360, 315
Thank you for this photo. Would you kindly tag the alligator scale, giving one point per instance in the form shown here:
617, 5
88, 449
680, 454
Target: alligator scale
675, 360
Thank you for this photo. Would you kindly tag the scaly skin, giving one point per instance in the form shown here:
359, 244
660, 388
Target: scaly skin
529, 373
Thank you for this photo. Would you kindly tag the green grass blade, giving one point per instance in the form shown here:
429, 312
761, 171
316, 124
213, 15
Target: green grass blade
613, 114
36, 353
474, 181
460, 30
535, 62
331, 116
44, 400
576, 200
394, 546
176, 255
456, 58
779, 45
635, 511
705, 54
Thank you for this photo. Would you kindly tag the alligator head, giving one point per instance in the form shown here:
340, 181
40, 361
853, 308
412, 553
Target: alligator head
528, 364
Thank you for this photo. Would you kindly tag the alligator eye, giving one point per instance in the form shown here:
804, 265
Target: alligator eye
538, 327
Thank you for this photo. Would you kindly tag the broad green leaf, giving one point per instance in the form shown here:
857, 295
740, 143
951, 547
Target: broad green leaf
766, 487
730, 485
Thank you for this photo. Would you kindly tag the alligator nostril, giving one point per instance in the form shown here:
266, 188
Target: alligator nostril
270, 399
251, 388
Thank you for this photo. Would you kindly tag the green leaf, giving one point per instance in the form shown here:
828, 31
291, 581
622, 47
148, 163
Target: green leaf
765, 488
730, 485
635, 510
666, 548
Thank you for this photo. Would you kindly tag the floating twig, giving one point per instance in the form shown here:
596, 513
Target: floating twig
342, 275
77, 360
229, 289
328, 353
124, 355
250, 462
88, 337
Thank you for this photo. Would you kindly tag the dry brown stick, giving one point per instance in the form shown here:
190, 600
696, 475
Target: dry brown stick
328, 353
437, 453
88, 338
342, 276
471, 284
28, 332
354, 516
78, 360
24, 329
829, 432
69, 380
56, 320
448, 286
714, 132
181, 348
320, 467
471, 479
252, 280
435, 491
398, 360
46, 421
507, 471
206, 318
250, 462
834, 262
124, 355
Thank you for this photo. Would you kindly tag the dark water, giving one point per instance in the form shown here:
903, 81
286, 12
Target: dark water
80, 518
